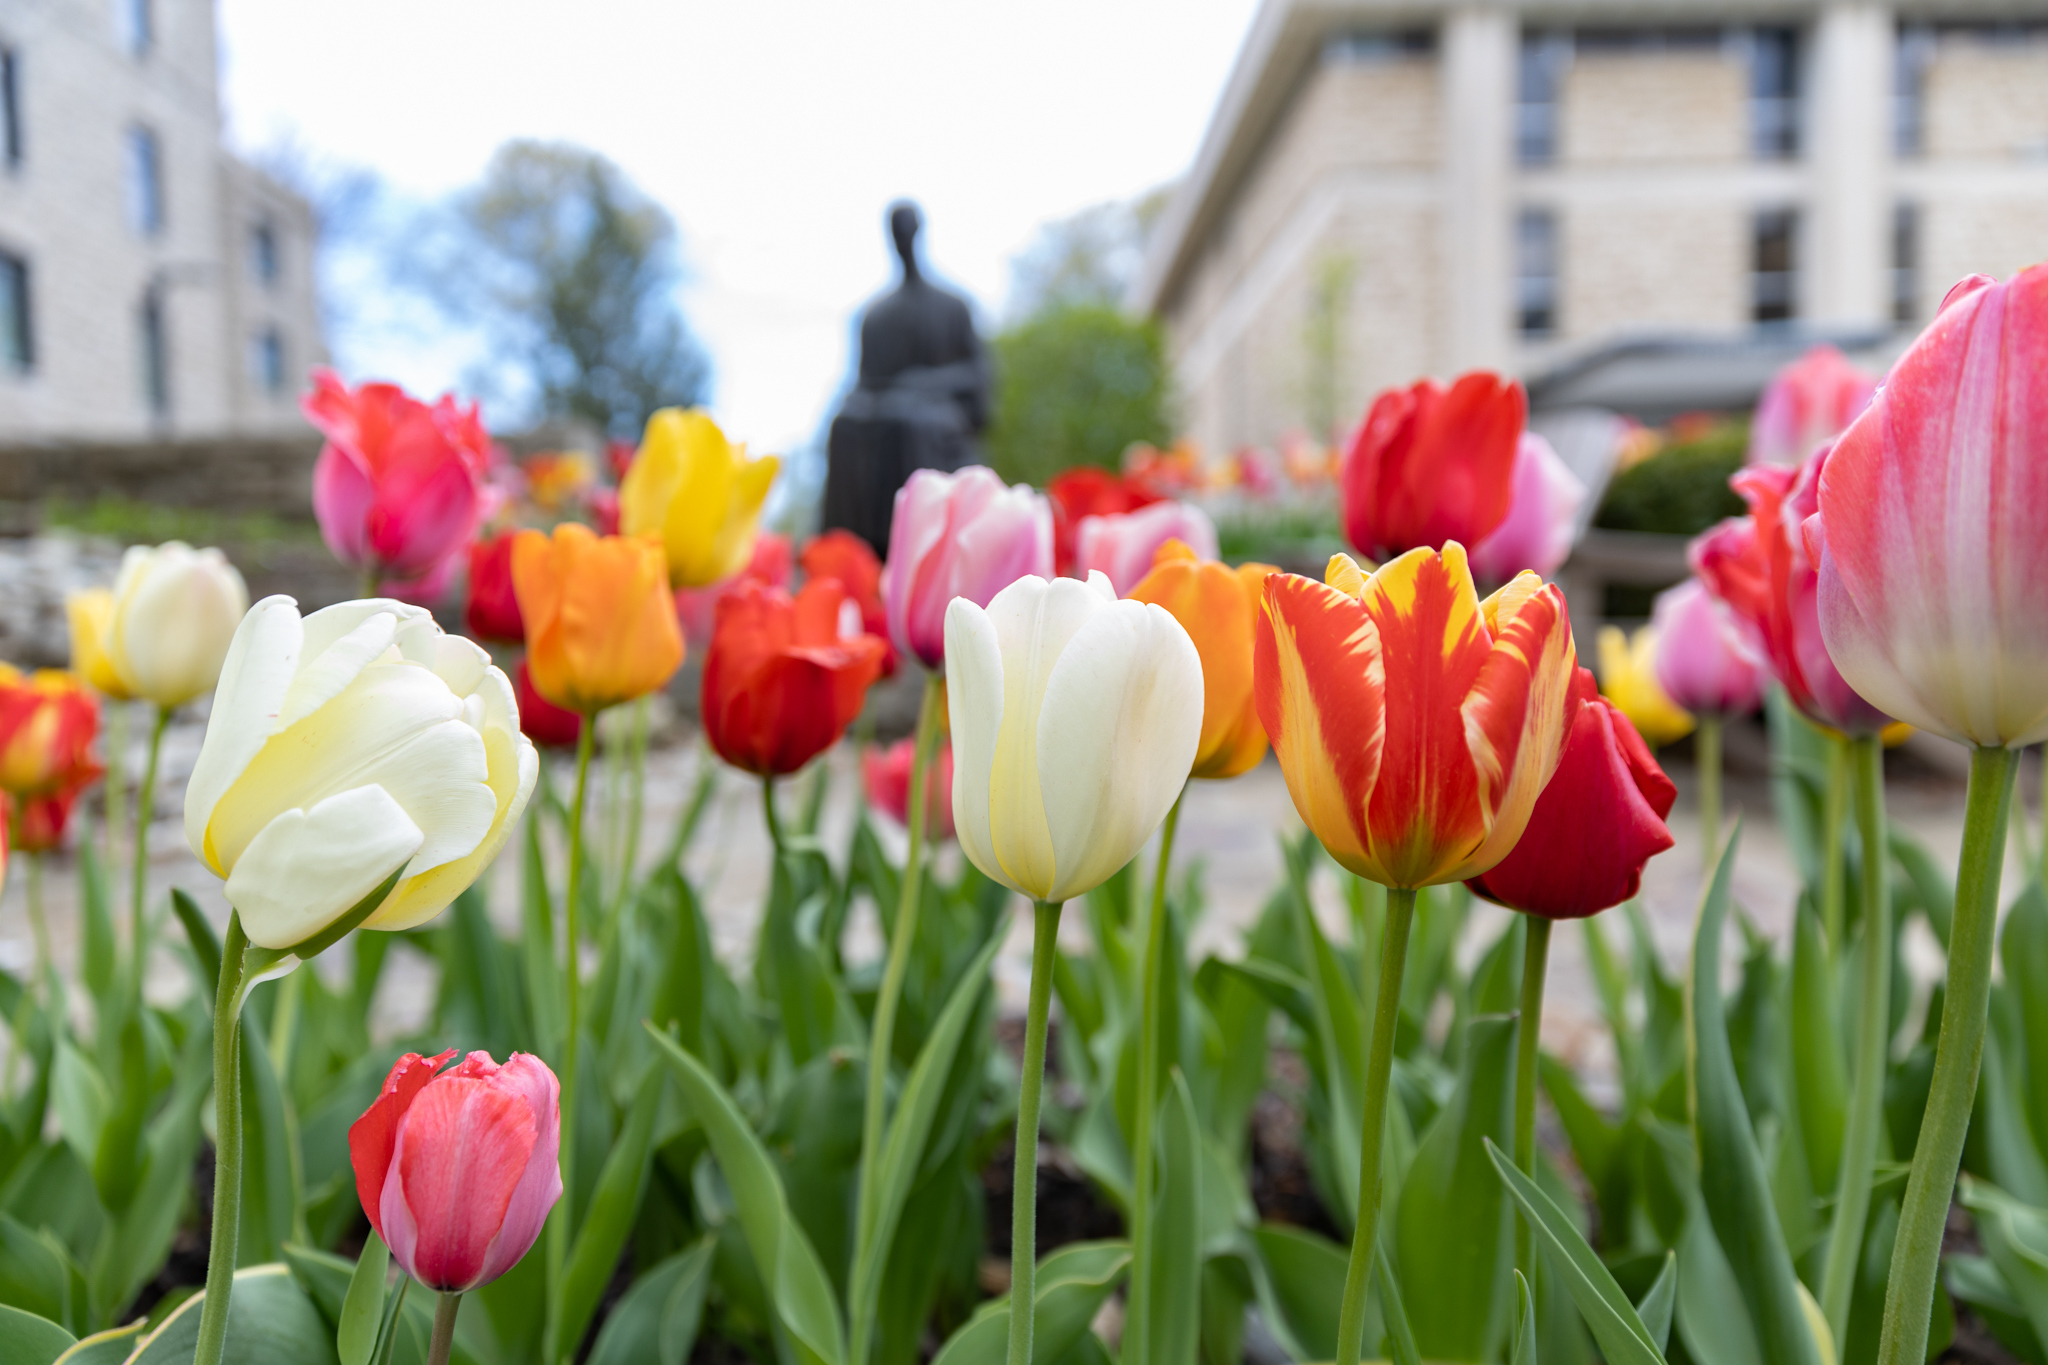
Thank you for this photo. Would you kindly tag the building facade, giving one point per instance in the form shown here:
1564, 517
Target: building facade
151, 285
1390, 190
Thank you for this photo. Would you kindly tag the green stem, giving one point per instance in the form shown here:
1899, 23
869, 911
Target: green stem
768, 815
1535, 965
114, 784
227, 1148
636, 802
560, 1218
39, 927
1873, 1022
1045, 932
1138, 1325
1833, 873
1379, 1069
1916, 1256
881, 1037
445, 1309
370, 582
145, 807
1706, 748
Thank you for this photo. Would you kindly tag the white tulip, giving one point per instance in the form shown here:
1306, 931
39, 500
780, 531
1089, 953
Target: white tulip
1075, 720
347, 745
174, 610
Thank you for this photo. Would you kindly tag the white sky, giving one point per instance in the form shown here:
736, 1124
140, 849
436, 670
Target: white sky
775, 131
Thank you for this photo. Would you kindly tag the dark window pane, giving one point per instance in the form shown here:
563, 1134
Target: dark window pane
1906, 264
17, 334
1774, 93
156, 366
1774, 275
10, 107
1536, 272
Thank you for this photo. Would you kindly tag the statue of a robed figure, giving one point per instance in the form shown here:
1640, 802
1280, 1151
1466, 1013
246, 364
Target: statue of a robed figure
921, 400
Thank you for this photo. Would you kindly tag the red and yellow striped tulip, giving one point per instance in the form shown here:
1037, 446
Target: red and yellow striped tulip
1415, 724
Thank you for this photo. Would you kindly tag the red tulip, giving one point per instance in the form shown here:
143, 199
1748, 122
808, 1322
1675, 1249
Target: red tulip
1806, 405
1597, 822
493, 609
398, 488
39, 821
1088, 491
887, 774
540, 720
697, 608
457, 1171
846, 557
1431, 464
1759, 566
47, 722
785, 676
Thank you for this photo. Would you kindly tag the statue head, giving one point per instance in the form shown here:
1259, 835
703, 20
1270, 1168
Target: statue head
904, 221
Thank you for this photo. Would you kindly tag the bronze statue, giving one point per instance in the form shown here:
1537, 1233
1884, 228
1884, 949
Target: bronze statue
921, 399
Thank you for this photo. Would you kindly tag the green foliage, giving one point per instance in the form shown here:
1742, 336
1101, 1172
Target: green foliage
1077, 383
148, 523
1682, 489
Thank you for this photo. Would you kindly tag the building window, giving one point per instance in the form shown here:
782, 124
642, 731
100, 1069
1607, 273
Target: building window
1536, 273
1773, 271
10, 107
263, 253
145, 182
1774, 93
266, 360
1539, 77
1906, 264
1911, 57
1371, 47
17, 331
136, 20
156, 358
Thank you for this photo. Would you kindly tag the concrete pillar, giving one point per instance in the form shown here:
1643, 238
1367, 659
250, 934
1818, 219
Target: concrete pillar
1477, 216
1849, 120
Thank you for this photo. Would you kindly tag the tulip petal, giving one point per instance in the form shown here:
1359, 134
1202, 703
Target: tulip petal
340, 643
514, 772
372, 1137
175, 613
342, 497
463, 1148
254, 681
1118, 725
307, 867
1516, 717
974, 716
540, 1185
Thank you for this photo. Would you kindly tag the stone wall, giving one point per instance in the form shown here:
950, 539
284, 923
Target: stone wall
273, 476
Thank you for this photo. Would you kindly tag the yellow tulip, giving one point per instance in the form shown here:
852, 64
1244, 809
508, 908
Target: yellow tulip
89, 612
600, 620
698, 493
1628, 678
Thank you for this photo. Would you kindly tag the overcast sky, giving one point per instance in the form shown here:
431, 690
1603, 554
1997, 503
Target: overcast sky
776, 131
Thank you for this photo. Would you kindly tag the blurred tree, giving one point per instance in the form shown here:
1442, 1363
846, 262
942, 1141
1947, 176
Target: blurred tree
569, 272
1090, 257
1076, 383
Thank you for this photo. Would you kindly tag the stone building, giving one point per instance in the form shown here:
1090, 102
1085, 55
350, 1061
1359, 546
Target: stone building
1393, 188
151, 284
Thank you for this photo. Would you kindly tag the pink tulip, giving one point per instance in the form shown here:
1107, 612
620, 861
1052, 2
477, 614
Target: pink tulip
887, 774
1704, 662
958, 535
1543, 514
399, 486
457, 1171
1807, 403
1932, 525
1122, 545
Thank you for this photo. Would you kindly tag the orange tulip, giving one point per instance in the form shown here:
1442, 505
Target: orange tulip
1217, 606
600, 622
1415, 724
47, 722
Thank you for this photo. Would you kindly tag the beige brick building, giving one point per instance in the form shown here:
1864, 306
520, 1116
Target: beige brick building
150, 283
1395, 189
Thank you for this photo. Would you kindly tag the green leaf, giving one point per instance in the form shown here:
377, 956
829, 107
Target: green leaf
205, 944
2023, 951
270, 1320
110, 1347
1305, 1274
1932, 887
82, 1100
26, 1339
36, 1273
801, 1293
1612, 1319
613, 1209
1658, 1301
1818, 1058
1523, 1352
1071, 1286
270, 1192
656, 1322
1175, 1287
2016, 1240
362, 1312
1400, 1336
96, 923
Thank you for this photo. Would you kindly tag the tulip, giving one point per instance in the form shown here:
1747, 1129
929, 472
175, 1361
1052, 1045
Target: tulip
47, 724
1217, 606
39, 821
957, 535
1431, 464
1628, 678
697, 493
170, 617
492, 611
398, 489
697, 608
846, 557
559, 480
1122, 546
886, 773
88, 611
1702, 659
1075, 720
359, 768
1088, 491
1927, 535
600, 624
540, 720
1542, 519
785, 676
1415, 725
1807, 404
458, 1171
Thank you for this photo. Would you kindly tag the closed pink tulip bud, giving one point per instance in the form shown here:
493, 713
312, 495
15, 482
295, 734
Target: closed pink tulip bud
887, 773
964, 534
1543, 514
1807, 404
1122, 545
399, 486
1932, 525
1703, 660
457, 1171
